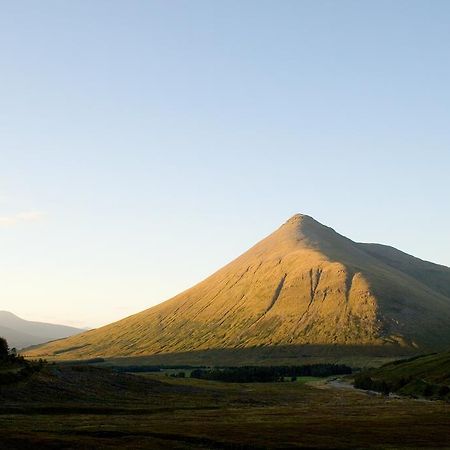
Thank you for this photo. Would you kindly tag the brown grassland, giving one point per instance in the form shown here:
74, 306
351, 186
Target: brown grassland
65, 407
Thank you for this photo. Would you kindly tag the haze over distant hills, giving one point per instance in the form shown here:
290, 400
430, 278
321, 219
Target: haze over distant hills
22, 333
304, 284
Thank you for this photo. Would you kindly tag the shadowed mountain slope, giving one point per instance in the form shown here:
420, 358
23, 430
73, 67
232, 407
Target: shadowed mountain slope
22, 333
303, 284
433, 368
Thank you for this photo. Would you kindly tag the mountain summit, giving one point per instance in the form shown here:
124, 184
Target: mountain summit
303, 284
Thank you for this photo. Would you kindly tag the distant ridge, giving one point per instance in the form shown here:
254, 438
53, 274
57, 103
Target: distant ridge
22, 333
304, 284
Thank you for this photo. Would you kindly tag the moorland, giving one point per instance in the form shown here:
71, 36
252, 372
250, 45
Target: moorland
72, 406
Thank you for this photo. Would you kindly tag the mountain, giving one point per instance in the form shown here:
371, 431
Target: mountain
304, 285
22, 333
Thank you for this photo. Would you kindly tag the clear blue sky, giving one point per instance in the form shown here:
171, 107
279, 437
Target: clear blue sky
144, 144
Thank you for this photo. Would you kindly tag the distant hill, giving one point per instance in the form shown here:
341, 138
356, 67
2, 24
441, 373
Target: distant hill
304, 285
22, 333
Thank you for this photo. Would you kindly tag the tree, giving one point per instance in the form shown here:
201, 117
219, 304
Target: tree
428, 390
443, 391
363, 381
384, 388
4, 349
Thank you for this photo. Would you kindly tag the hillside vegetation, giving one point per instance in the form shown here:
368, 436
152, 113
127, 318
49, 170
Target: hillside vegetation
424, 376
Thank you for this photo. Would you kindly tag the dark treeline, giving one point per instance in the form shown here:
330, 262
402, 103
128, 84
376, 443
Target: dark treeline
364, 381
263, 374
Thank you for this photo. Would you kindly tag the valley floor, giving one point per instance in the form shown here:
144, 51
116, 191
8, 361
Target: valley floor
159, 412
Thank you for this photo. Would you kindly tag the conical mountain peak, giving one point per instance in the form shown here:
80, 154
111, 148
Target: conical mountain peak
304, 231
300, 219
303, 284
297, 218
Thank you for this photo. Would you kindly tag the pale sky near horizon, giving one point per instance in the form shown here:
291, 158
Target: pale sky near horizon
144, 144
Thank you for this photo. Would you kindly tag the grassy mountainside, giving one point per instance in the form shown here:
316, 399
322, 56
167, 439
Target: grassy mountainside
23, 333
304, 284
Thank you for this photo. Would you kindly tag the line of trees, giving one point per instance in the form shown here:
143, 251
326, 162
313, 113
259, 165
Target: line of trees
267, 374
364, 381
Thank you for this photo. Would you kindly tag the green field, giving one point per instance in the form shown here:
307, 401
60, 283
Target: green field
64, 407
